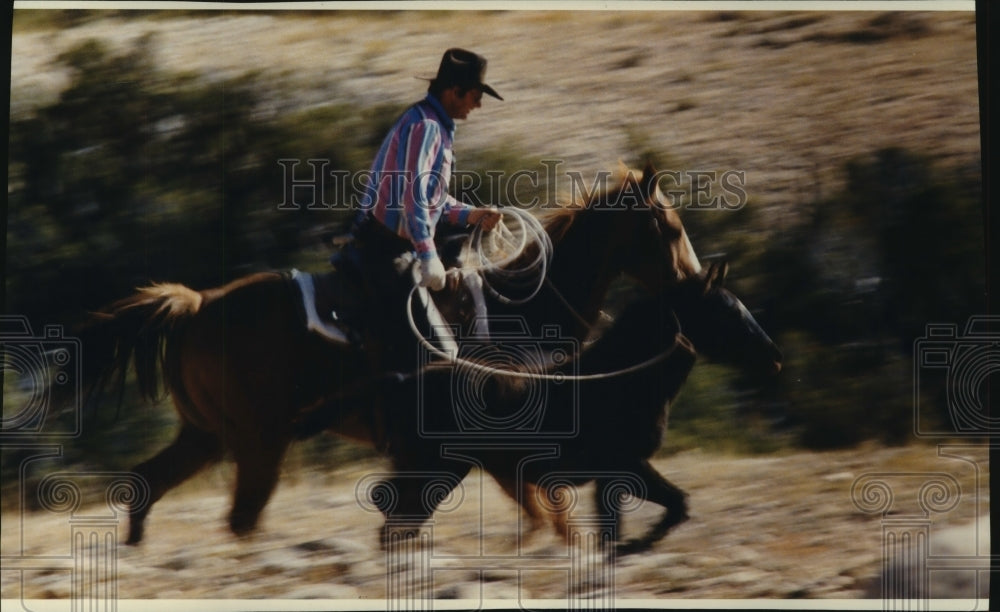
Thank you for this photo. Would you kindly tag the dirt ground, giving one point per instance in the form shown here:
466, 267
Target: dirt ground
799, 525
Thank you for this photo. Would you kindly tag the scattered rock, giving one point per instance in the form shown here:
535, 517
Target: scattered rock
175, 564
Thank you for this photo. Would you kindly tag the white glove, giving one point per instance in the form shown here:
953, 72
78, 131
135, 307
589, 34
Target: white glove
432, 274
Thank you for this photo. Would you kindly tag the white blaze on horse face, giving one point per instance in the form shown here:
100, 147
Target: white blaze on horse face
683, 250
690, 254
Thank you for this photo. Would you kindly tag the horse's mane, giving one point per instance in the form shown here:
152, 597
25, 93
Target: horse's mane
558, 220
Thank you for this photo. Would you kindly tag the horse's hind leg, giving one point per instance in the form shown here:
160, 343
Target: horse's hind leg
192, 450
257, 470
658, 490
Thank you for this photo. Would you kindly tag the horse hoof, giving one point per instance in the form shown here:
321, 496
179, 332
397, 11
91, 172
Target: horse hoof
242, 533
242, 526
134, 536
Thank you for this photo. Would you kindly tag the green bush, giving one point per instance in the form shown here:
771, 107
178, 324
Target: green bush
136, 175
845, 293
856, 284
711, 413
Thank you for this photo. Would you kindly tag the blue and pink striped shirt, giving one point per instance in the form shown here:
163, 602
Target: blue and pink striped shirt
407, 187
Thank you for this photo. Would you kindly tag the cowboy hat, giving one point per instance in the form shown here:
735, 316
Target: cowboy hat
463, 68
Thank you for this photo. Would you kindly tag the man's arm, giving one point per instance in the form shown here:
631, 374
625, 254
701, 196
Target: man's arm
422, 161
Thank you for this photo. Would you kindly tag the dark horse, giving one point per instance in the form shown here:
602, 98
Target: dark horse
240, 366
603, 429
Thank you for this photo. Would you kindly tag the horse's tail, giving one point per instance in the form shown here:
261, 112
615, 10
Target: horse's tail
138, 329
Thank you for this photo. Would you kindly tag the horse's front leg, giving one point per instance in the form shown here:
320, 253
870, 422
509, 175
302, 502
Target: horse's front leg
658, 490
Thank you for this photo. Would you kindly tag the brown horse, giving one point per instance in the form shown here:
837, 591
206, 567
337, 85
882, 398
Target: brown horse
615, 423
240, 366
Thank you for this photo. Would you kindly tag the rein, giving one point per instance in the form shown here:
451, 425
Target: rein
573, 311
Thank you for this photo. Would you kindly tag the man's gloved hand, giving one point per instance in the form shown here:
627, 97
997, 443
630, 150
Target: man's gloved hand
432, 274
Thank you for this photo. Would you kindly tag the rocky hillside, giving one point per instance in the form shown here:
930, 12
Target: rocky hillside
784, 97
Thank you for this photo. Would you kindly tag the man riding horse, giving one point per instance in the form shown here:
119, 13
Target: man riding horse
407, 196
240, 365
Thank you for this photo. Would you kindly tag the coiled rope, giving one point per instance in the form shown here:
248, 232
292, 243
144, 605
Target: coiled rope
493, 256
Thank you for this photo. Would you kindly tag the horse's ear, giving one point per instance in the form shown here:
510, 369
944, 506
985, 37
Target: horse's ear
710, 275
716, 274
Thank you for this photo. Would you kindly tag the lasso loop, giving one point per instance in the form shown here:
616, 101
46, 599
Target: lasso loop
507, 247
558, 377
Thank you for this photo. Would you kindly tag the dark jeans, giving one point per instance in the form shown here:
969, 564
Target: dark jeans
386, 289
388, 343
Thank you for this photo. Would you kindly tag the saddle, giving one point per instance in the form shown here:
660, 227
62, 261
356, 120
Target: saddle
334, 304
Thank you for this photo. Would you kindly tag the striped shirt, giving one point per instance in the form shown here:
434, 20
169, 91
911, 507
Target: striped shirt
407, 186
